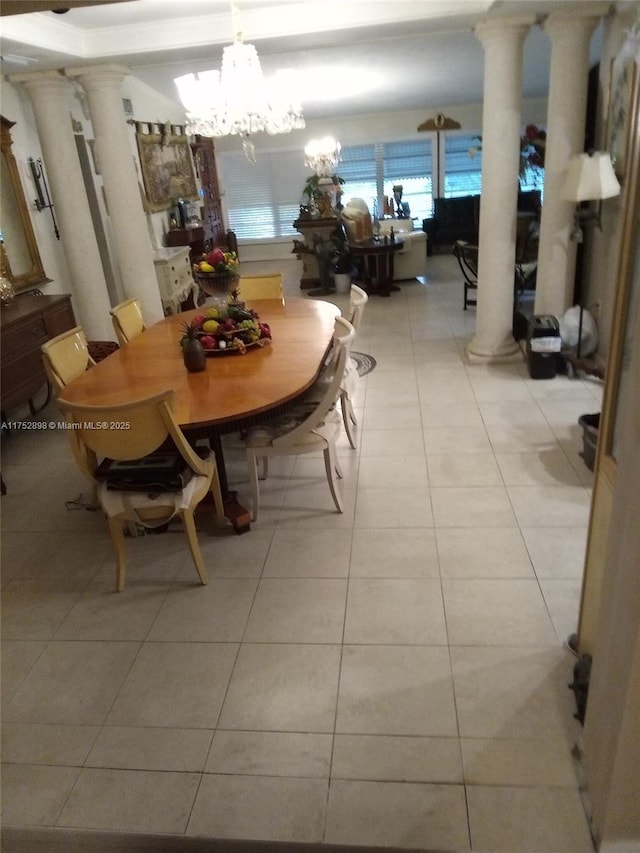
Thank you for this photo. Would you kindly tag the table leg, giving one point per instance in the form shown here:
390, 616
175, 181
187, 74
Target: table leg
239, 517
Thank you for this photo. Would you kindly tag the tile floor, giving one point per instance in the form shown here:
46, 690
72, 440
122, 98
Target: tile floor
391, 676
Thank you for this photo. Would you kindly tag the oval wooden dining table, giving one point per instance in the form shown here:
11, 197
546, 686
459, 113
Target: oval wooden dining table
233, 391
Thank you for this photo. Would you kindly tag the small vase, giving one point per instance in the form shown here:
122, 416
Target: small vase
194, 355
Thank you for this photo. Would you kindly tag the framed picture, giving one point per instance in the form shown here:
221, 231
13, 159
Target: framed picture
167, 167
622, 90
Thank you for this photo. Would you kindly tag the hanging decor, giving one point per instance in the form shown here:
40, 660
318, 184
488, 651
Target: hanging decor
237, 99
440, 122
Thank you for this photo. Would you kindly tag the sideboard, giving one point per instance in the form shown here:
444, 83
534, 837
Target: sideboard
25, 324
173, 271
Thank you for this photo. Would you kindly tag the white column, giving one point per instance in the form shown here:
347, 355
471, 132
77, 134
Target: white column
49, 93
128, 219
502, 42
570, 34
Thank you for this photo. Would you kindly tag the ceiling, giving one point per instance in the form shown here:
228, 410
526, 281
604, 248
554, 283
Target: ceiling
349, 56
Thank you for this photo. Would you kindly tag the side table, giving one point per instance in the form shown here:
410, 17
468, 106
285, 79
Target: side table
377, 259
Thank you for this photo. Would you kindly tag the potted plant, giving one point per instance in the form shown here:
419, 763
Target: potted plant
342, 262
315, 191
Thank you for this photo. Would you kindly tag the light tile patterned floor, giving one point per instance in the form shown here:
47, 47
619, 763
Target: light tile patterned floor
391, 676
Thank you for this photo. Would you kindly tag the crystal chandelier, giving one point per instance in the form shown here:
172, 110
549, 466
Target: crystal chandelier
237, 99
322, 155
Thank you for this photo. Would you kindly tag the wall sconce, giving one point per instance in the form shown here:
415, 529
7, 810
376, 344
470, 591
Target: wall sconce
43, 201
590, 177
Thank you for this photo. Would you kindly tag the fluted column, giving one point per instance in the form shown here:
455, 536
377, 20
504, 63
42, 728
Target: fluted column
566, 111
128, 220
49, 94
502, 42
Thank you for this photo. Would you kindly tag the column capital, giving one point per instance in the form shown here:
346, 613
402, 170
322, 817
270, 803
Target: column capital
34, 80
493, 29
580, 17
98, 75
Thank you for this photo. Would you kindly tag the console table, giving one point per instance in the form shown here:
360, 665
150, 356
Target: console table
312, 229
26, 324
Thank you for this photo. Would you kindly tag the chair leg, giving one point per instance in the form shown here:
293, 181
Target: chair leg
194, 546
252, 464
216, 491
117, 537
331, 466
348, 418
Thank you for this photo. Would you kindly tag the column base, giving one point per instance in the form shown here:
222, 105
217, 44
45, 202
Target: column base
479, 353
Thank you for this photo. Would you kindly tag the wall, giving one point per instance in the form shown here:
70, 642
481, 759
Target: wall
602, 247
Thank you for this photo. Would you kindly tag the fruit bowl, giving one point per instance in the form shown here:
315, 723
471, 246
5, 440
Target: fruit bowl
236, 331
216, 283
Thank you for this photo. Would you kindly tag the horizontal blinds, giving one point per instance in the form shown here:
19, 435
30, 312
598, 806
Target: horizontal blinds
406, 159
462, 165
263, 199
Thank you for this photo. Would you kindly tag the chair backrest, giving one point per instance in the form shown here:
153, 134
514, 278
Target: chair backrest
127, 320
66, 356
357, 301
333, 372
261, 287
149, 422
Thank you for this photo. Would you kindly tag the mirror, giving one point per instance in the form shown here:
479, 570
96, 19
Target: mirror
20, 256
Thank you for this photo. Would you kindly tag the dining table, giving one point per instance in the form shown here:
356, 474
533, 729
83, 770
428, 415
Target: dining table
234, 392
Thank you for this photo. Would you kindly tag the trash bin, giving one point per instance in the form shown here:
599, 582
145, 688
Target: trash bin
590, 428
543, 346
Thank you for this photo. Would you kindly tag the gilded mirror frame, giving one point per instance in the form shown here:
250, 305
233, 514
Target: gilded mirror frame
35, 274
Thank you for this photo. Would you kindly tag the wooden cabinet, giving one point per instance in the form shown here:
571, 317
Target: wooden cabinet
173, 270
211, 208
27, 323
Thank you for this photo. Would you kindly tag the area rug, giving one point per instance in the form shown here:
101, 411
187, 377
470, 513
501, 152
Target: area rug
365, 363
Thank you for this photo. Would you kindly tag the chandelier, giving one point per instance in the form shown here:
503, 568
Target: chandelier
237, 99
322, 155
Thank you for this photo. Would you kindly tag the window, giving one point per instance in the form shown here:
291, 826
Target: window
462, 169
263, 200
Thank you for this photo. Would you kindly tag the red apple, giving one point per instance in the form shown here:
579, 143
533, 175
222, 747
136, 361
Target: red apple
215, 257
208, 342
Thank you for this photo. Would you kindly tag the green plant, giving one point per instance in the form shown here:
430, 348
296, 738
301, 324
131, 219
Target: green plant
311, 186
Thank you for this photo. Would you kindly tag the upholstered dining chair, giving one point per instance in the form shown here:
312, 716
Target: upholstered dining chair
261, 287
309, 427
66, 357
150, 426
127, 320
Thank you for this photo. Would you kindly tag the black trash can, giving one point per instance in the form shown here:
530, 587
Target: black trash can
543, 346
590, 428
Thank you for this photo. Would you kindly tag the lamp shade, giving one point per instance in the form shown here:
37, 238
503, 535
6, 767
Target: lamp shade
590, 177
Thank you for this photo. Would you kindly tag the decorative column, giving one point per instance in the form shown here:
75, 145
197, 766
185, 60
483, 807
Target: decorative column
102, 84
570, 33
49, 94
502, 41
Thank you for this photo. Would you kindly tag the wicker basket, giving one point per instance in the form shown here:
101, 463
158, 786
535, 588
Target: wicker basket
216, 283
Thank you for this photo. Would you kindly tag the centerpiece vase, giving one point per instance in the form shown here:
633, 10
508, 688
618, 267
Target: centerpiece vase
194, 355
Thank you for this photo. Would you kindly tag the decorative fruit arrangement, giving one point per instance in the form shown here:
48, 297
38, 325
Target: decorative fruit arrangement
238, 329
218, 261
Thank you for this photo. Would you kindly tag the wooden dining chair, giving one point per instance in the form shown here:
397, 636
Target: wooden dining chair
127, 320
66, 357
261, 287
311, 426
133, 432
